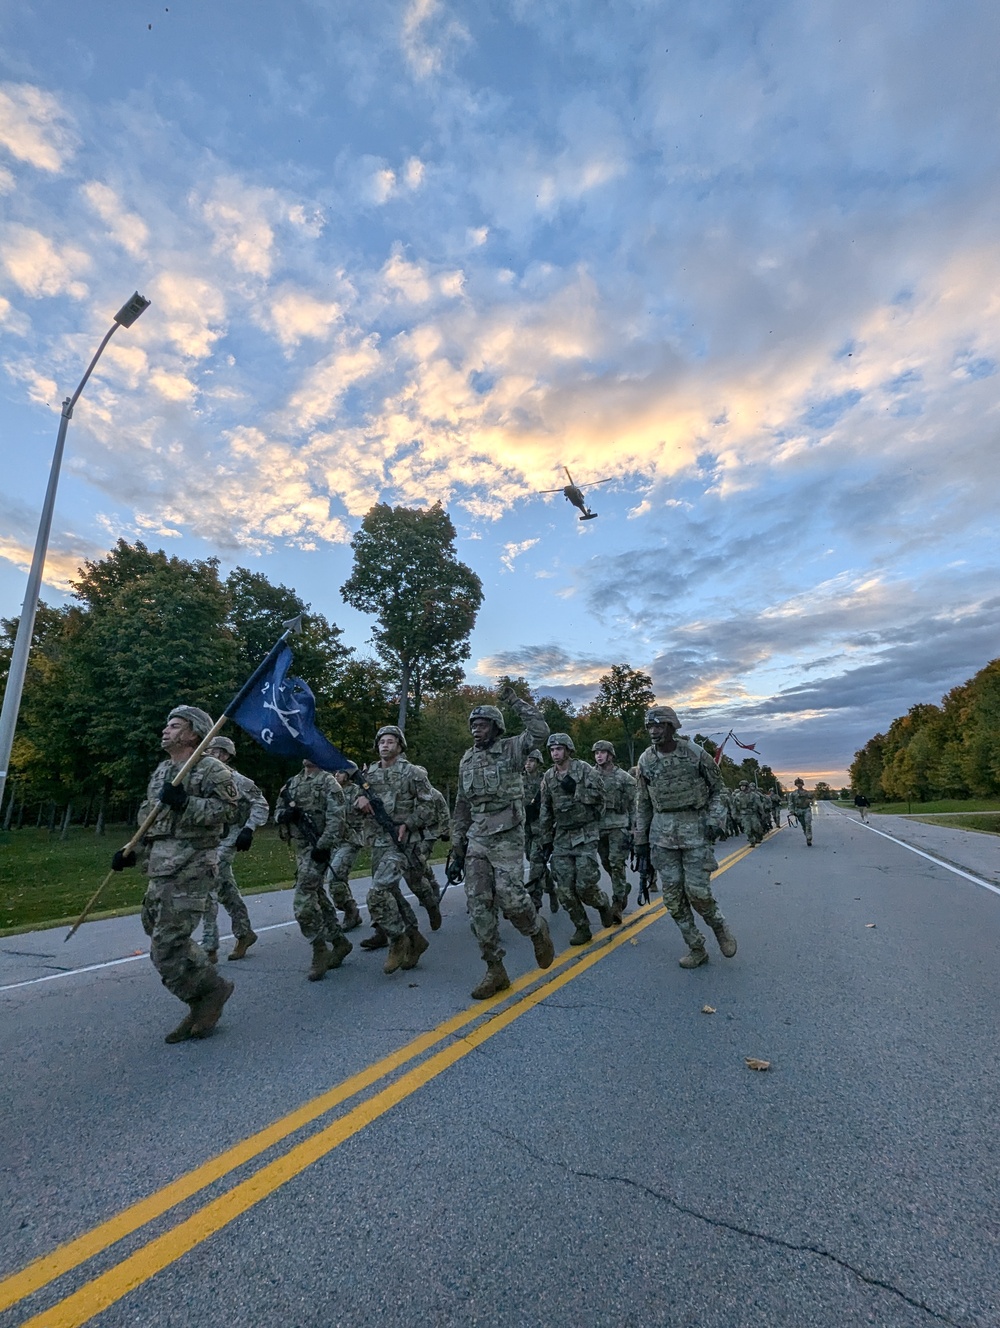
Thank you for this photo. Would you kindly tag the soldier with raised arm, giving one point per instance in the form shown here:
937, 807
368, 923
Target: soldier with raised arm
679, 812
488, 836
252, 811
800, 806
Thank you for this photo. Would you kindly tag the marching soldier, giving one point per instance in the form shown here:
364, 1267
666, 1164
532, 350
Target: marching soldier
748, 809
801, 808
180, 857
569, 827
679, 811
539, 878
488, 837
616, 823
312, 813
252, 813
405, 792
345, 854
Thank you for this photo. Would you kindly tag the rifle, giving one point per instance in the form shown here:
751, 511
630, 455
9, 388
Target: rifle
284, 820
647, 876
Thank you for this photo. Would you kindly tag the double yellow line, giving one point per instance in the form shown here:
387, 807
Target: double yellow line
160, 1251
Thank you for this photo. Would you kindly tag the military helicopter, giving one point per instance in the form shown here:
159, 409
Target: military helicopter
574, 494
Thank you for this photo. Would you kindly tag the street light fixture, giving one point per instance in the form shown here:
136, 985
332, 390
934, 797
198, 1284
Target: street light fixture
125, 317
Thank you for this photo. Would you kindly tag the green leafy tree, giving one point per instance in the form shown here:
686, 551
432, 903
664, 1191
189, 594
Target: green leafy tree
623, 698
407, 574
823, 791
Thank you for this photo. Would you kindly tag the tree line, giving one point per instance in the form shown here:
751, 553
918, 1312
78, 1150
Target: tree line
946, 751
147, 631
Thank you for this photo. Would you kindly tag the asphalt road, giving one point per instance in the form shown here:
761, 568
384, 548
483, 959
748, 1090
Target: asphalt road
592, 1150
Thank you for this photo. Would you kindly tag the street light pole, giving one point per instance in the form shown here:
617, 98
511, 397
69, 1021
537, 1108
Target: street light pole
125, 317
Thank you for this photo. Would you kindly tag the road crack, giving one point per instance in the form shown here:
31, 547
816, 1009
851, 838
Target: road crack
734, 1227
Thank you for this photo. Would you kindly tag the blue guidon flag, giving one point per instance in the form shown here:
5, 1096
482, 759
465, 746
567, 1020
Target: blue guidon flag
279, 712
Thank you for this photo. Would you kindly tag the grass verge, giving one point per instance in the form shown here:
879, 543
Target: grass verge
915, 808
987, 823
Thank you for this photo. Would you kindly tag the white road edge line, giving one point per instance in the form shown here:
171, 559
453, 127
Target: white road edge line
938, 862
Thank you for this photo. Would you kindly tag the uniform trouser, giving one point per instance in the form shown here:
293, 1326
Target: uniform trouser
577, 874
226, 893
611, 848
419, 876
341, 865
312, 906
539, 880
387, 907
686, 882
494, 884
805, 819
752, 828
171, 910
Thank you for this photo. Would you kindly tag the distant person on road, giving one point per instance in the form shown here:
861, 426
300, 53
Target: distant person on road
252, 813
616, 823
750, 811
180, 857
862, 804
679, 813
800, 808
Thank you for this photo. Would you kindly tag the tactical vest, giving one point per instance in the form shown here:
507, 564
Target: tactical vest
394, 785
674, 780
491, 778
209, 779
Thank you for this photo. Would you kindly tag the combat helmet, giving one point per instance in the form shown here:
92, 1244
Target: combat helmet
224, 744
394, 731
661, 714
561, 740
602, 745
535, 755
491, 713
200, 720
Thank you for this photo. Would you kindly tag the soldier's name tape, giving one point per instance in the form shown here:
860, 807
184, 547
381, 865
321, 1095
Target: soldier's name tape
435, 1051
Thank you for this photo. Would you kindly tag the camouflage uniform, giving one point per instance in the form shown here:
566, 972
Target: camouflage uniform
406, 793
180, 852
539, 879
419, 872
616, 828
570, 822
777, 802
252, 813
320, 799
748, 809
488, 832
345, 854
679, 809
800, 806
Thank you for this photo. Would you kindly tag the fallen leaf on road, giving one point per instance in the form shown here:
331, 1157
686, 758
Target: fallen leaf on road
869, 924
633, 941
756, 1064
708, 1009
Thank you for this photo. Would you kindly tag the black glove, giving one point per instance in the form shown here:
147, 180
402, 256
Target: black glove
288, 815
173, 796
243, 840
321, 856
120, 861
642, 858
454, 870
568, 784
546, 852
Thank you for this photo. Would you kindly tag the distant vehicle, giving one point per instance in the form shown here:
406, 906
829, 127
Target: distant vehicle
574, 494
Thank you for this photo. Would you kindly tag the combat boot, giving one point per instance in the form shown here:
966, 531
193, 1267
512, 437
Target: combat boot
581, 936
726, 939
341, 949
352, 917
434, 915
376, 942
496, 980
208, 1009
545, 951
694, 958
320, 963
608, 916
183, 1030
213, 956
399, 951
243, 944
553, 902
618, 910
418, 944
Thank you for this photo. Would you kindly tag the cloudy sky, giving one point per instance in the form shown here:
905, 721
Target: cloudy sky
743, 258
